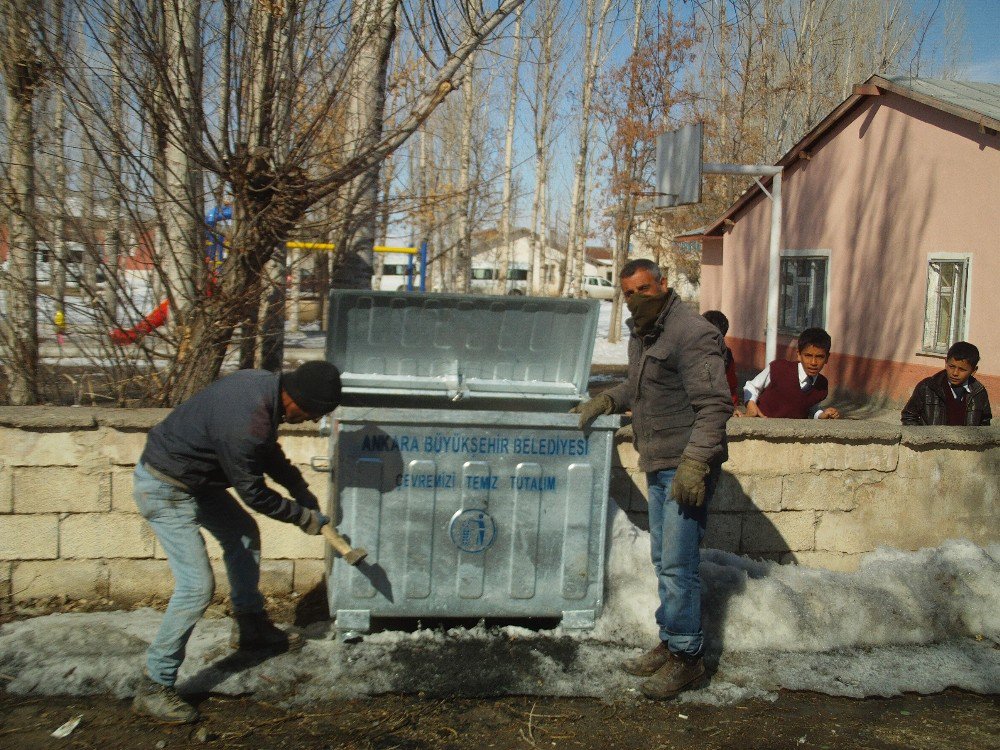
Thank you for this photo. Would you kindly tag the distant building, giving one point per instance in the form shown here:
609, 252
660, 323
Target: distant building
890, 238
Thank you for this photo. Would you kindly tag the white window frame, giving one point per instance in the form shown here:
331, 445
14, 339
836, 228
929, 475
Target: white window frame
962, 332
823, 253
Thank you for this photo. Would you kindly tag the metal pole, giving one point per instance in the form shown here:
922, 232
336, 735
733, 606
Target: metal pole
774, 248
423, 266
774, 265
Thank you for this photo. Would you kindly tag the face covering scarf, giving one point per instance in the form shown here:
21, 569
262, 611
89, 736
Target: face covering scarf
645, 309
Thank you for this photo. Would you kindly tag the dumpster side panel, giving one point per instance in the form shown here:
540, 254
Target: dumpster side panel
481, 515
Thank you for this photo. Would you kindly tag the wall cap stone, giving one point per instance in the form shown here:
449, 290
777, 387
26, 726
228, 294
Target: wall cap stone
47, 417
88, 418
951, 437
835, 430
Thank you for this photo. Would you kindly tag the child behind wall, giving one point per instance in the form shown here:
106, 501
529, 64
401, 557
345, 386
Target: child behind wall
953, 396
794, 389
720, 321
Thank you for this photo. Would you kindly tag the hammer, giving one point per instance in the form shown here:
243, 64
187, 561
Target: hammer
351, 555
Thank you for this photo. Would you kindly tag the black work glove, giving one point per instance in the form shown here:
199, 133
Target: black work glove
592, 409
312, 521
689, 482
304, 496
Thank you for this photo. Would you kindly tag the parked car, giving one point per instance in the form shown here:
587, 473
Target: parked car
596, 287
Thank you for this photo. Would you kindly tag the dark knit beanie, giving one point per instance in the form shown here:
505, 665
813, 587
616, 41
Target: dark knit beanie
314, 387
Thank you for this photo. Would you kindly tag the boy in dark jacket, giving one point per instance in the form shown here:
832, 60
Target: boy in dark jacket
718, 319
224, 436
794, 389
952, 396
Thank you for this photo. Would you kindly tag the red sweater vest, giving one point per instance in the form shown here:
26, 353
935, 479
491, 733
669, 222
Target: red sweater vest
955, 407
784, 398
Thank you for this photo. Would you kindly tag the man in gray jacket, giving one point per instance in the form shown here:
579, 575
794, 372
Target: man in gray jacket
679, 398
224, 436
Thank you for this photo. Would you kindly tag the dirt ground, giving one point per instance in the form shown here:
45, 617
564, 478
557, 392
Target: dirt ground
951, 720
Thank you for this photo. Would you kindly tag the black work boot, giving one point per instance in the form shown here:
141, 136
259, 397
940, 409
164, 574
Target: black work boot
678, 674
649, 662
255, 632
162, 703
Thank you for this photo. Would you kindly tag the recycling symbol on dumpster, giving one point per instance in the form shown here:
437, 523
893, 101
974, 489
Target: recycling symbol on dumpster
472, 530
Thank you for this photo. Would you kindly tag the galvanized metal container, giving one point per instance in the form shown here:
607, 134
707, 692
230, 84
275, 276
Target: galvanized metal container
456, 464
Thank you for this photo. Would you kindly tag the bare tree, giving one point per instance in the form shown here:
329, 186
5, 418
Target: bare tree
21, 62
547, 31
259, 130
462, 272
595, 22
507, 200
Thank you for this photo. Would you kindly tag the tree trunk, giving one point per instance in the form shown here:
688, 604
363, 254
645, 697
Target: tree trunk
59, 254
373, 31
113, 241
545, 33
22, 74
577, 243
184, 210
462, 272
507, 200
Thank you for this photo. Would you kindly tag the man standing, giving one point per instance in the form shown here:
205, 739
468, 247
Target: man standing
224, 436
680, 402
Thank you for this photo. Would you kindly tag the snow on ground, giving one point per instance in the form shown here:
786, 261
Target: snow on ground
604, 352
905, 622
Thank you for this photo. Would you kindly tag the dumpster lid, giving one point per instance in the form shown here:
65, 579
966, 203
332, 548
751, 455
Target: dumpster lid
459, 345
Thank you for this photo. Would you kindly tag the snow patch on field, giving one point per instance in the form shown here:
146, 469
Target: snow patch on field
905, 622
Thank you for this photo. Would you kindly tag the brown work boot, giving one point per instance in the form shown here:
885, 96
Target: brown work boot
255, 632
649, 662
679, 673
162, 703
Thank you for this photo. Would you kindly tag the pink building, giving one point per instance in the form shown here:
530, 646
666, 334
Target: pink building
890, 238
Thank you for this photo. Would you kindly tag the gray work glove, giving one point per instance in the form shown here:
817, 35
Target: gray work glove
311, 521
689, 482
592, 409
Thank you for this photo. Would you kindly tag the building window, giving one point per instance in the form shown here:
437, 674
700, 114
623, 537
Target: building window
944, 314
802, 293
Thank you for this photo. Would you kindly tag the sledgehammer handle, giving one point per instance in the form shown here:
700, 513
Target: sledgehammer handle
351, 555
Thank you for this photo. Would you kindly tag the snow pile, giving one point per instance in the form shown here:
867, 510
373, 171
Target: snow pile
906, 621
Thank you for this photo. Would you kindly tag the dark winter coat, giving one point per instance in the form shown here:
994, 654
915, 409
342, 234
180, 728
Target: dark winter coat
676, 389
927, 405
227, 436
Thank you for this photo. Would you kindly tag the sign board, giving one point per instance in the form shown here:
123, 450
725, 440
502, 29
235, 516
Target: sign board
679, 166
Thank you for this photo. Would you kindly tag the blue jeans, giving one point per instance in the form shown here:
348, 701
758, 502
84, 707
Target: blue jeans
675, 534
177, 517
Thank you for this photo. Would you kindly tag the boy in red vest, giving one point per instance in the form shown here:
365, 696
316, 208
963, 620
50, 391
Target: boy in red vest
953, 396
793, 389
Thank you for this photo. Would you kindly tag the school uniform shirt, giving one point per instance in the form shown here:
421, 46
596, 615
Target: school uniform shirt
752, 388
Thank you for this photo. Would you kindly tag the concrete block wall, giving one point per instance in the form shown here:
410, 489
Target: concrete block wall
823, 493
816, 493
69, 525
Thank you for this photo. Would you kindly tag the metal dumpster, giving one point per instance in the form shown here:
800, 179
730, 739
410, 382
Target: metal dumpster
456, 464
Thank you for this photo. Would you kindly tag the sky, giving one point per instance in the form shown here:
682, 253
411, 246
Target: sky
982, 29
982, 32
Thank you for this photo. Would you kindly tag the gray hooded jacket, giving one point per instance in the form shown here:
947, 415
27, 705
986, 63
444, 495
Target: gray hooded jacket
676, 389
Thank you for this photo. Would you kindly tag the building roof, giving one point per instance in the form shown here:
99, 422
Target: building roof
970, 100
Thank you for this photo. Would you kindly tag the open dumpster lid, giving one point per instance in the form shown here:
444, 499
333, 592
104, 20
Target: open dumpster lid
458, 346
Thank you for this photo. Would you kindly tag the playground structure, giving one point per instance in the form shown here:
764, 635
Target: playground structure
216, 253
